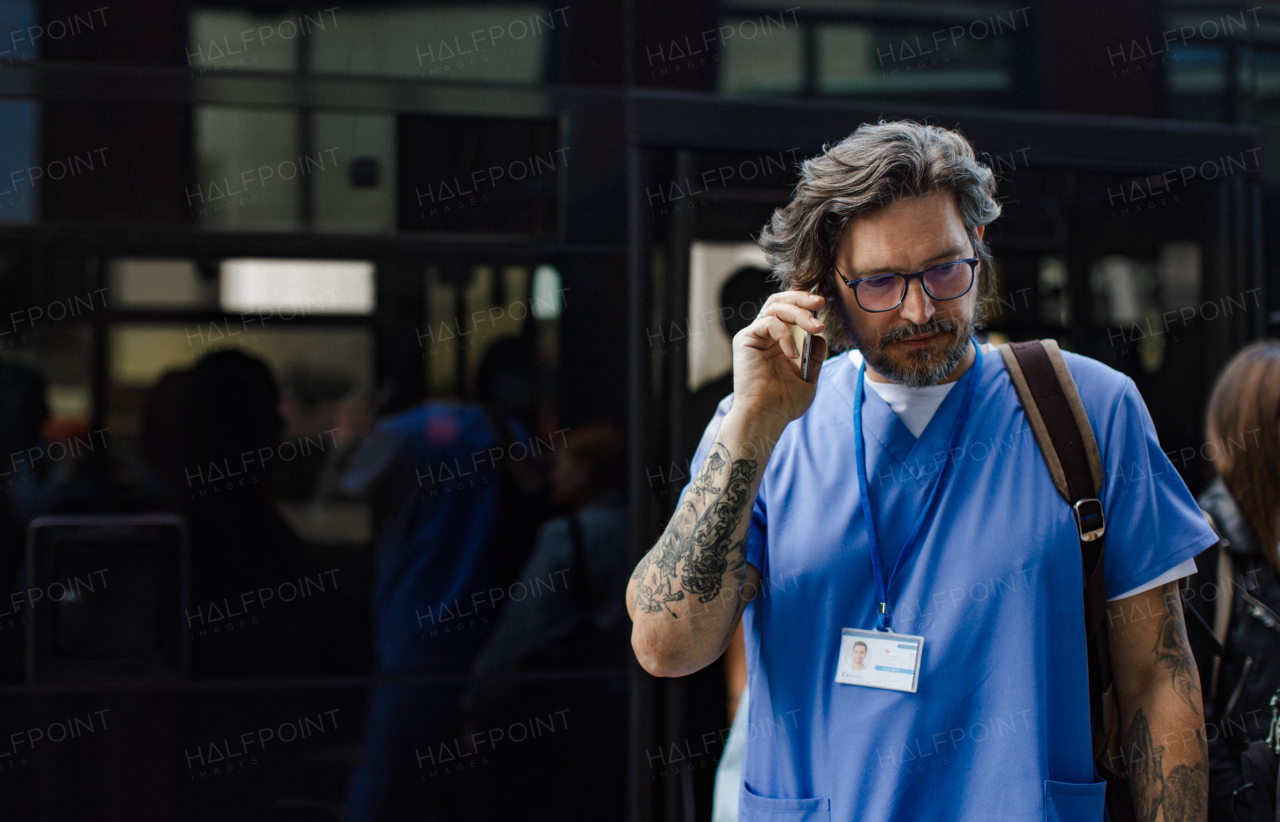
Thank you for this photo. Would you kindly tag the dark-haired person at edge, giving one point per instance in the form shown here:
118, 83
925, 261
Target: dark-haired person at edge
1242, 430
458, 497
829, 489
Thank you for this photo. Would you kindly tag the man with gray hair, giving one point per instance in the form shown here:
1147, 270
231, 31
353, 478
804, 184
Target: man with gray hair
919, 518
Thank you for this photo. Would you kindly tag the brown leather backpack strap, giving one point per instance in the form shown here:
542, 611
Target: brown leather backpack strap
1062, 430
1070, 445
1066, 440
1035, 419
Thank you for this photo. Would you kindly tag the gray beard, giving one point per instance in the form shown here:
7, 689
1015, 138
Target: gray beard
923, 369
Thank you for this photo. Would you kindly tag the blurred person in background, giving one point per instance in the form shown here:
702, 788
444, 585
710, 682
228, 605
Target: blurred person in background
325, 407
573, 620
586, 481
23, 413
25, 492
458, 497
1243, 424
197, 426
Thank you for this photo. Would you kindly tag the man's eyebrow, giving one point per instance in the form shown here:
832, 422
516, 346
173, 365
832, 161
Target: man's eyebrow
947, 255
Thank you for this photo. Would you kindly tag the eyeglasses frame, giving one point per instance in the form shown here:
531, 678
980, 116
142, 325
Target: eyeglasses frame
906, 283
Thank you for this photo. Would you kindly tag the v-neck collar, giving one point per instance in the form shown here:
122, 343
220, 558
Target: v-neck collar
914, 455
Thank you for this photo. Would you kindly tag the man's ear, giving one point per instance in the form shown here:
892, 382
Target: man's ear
981, 229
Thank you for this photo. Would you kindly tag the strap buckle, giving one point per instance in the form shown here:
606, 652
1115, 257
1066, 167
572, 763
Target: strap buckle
1089, 518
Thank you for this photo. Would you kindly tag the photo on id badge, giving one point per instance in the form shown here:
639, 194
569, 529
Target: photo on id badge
875, 659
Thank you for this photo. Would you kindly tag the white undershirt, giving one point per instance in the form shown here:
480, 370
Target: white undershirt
916, 406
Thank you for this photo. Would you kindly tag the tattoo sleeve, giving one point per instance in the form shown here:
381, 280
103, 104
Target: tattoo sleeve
1146, 769
1186, 791
1170, 713
698, 548
1173, 653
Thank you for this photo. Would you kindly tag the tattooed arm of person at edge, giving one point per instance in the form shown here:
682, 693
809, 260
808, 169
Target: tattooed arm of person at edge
1162, 729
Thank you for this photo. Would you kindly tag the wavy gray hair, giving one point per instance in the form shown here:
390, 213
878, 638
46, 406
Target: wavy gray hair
871, 168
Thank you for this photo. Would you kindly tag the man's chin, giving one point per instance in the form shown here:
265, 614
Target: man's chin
918, 367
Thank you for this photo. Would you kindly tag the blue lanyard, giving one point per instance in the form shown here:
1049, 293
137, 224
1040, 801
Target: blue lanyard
859, 450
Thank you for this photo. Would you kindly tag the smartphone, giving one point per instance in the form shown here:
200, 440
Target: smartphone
807, 349
804, 356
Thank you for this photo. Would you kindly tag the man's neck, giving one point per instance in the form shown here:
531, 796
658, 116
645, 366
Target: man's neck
956, 373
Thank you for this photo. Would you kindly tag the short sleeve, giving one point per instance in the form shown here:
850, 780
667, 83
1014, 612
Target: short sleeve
756, 531
1153, 522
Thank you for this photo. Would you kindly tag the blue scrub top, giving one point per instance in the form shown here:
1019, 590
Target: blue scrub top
999, 725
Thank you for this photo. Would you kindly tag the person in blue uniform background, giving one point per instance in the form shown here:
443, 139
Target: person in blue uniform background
458, 491
900, 488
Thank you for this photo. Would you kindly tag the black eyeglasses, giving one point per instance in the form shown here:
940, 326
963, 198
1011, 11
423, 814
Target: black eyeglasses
885, 292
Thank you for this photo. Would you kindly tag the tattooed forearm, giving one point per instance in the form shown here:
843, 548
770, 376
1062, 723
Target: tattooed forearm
1144, 760
1173, 653
1165, 753
1186, 792
698, 547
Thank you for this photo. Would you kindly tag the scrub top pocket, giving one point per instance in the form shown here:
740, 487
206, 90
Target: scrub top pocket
755, 808
1074, 802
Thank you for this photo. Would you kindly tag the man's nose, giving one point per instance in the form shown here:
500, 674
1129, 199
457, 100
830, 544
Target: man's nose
916, 306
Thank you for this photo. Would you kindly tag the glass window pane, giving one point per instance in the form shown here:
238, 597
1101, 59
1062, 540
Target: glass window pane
16, 19
467, 43
152, 284
234, 40
1197, 82
17, 153
547, 293
360, 196
297, 286
1264, 81
846, 60
248, 169
493, 304
763, 57
859, 59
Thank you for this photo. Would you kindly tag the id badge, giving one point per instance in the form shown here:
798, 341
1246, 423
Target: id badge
879, 659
